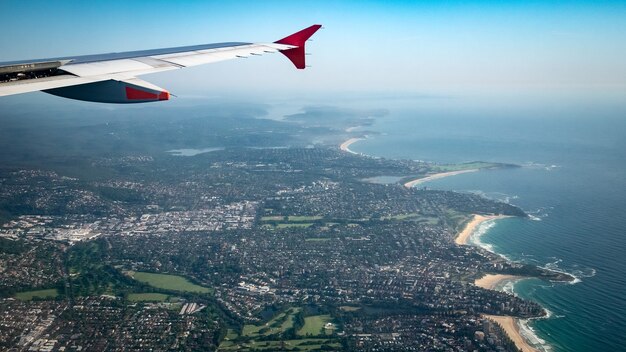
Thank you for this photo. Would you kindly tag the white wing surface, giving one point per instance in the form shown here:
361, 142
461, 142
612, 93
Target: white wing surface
111, 78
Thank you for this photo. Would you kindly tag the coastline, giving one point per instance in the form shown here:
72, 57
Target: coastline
345, 146
420, 180
509, 324
463, 237
512, 329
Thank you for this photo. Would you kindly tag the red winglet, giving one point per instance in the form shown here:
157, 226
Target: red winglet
296, 55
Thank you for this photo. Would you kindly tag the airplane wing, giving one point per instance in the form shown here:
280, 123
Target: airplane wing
112, 78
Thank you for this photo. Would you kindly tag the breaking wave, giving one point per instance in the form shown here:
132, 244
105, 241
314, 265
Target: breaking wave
529, 333
575, 270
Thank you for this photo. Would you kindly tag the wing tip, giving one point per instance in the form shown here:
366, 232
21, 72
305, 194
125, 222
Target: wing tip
297, 55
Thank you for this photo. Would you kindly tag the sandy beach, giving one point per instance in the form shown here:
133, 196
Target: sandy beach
509, 324
463, 236
491, 281
418, 181
345, 145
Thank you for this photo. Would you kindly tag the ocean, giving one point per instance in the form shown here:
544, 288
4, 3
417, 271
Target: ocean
572, 182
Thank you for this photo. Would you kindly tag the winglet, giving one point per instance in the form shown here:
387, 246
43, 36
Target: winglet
298, 39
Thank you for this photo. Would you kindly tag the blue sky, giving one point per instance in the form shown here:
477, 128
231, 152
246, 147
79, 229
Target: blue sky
366, 46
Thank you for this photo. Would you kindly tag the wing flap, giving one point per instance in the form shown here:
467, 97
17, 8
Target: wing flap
207, 56
195, 59
106, 67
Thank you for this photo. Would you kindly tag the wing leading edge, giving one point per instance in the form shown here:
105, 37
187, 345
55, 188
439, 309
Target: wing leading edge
111, 78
